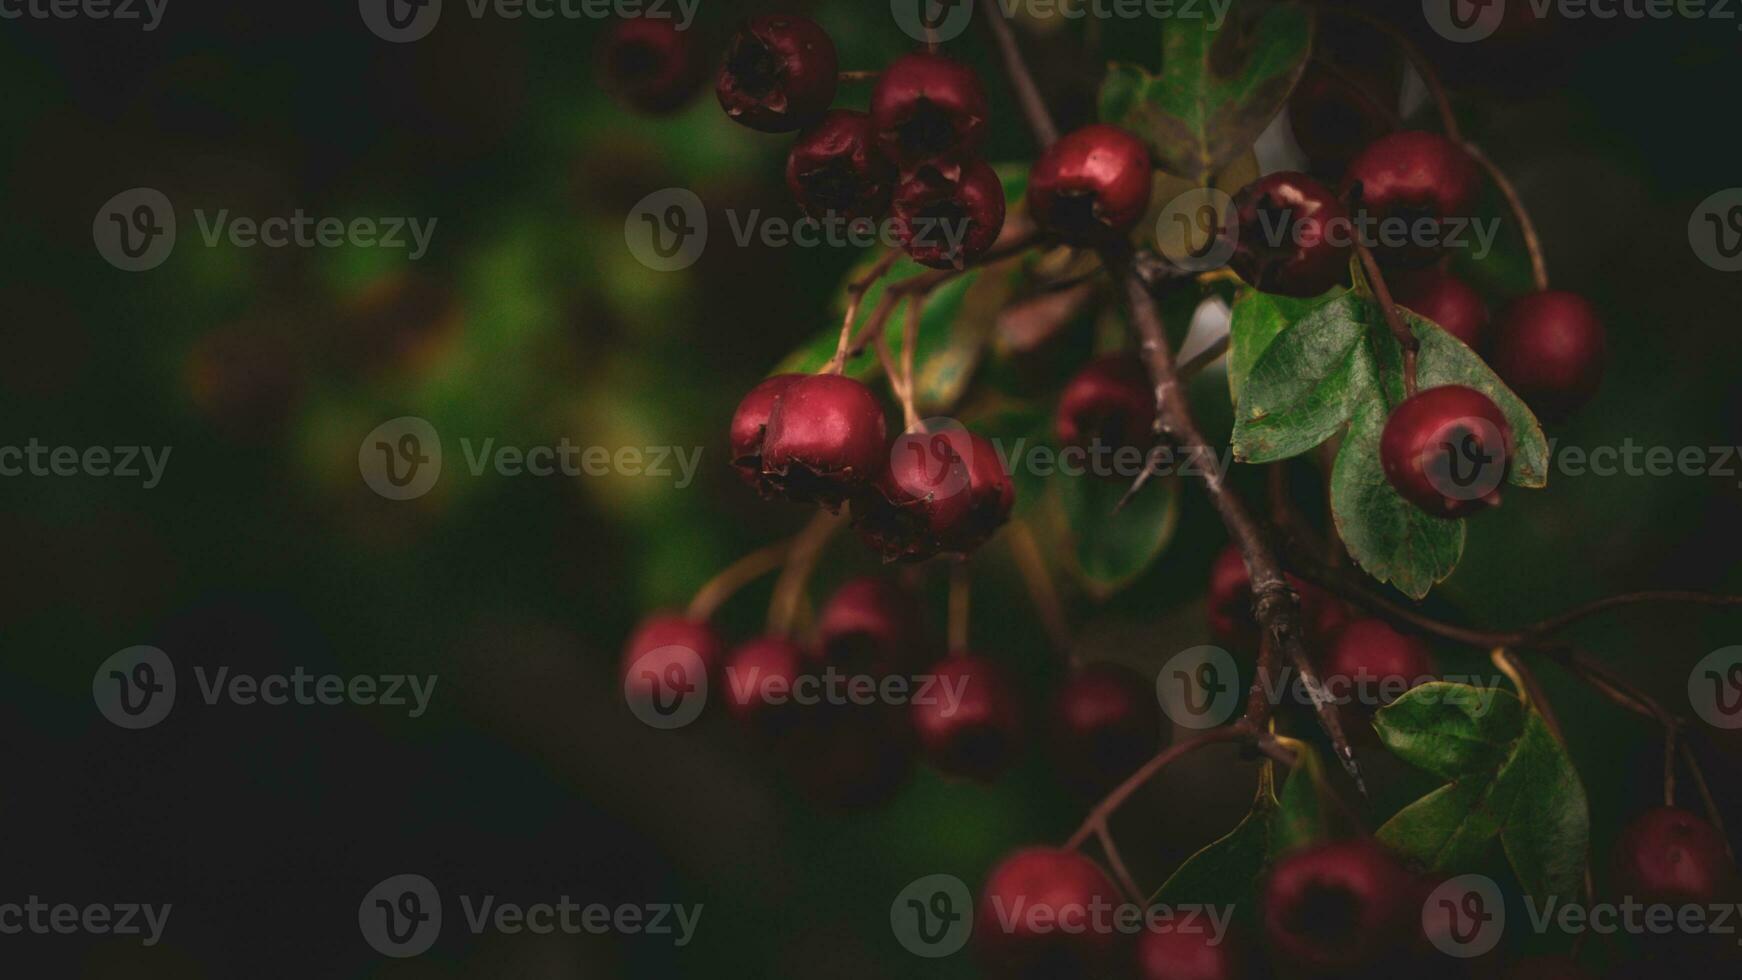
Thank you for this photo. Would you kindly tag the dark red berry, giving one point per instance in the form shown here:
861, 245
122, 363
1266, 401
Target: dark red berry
871, 625
1182, 953
1338, 907
1334, 115
1106, 724
750, 422
1448, 301
1446, 450
1230, 605
780, 73
1047, 912
1550, 349
927, 108
970, 724
1374, 663
1668, 855
944, 491
760, 677
664, 653
1092, 185
825, 439
1110, 402
1295, 236
1401, 181
834, 170
946, 223
651, 64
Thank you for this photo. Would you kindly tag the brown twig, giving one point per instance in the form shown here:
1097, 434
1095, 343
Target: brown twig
1097, 817
1526, 227
737, 575
1393, 319
1021, 79
855, 295
924, 283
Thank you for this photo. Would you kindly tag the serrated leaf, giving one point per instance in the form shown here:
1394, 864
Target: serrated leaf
1107, 551
1450, 729
1392, 539
1225, 872
1220, 85
1256, 320
1303, 387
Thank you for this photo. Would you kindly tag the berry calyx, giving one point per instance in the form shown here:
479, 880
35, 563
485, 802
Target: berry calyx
1065, 928
1106, 723
971, 726
1295, 236
946, 223
1376, 663
1337, 907
1446, 450
1667, 855
1404, 179
665, 654
1188, 954
1448, 301
760, 675
1232, 623
928, 109
650, 64
780, 73
1550, 349
750, 424
1110, 402
1092, 185
824, 440
871, 625
835, 170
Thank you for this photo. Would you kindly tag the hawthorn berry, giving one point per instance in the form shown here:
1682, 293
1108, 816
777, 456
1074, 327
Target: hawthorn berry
1338, 907
1231, 600
780, 73
928, 109
1369, 657
1194, 954
1110, 402
650, 63
1334, 115
946, 223
1400, 181
1550, 348
1446, 450
750, 423
835, 170
1295, 236
663, 652
1448, 301
871, 625
944, 491
824, 439
1092, 185
1667, 855
971, 726
1106, 723
1046, 912
760, 675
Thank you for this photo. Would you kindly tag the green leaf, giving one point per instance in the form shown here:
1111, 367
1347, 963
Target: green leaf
1220, 85
1301, 817
1451, 730
1257, 319
1444, 360
1107, 551
1309, 378
1225, 872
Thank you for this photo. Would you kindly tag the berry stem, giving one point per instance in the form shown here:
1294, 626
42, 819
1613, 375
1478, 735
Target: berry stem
1423, 67
960, 593
1096, 821
1705, 791
789, 589
1032, 566
735, 576
924, 283
910, 340
1526, 227
1021, 79
855, 295
859, 76
1393, 319
1116, 862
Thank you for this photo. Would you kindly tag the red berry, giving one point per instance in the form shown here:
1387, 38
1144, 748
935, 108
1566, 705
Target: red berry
1550, 349
1295, 236
1668, 855
1446, 450
825, 439
1230, 605
1110, 402
760, 675
1333, 116
1047, 912
1376, 663
651, 64
1106, 724
663, 652
970, 725
1448, 301
927, 108
834, 170
944, 491
1338, 907
750, 423
1179, 954
1403, 179
946, 223
1092, 185
780, 73
871, 625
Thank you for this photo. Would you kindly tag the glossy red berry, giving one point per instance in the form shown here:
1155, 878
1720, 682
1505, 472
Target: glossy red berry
1448, 301
1230, 605
651, 64
944, 491
871, 625
1110, 402
1550, 349
665, 653
928, 109
1338, 907
760, 677
969, 723
1373, 664
1092, 185
1047, 912
1668, 855
1446, 450
836, 171
946, 223
1295, 236
1404, 179
1182, 953
1106, 724
750, 423
825, 439
780, 73
1334, 115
